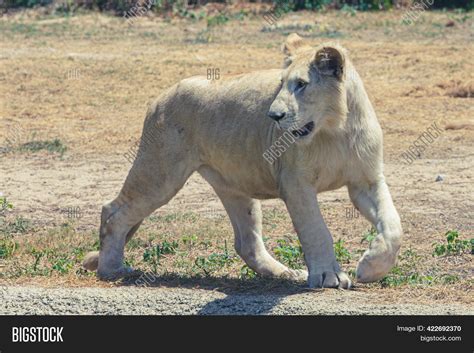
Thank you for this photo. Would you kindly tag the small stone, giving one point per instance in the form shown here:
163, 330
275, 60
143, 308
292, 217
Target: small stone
439, 178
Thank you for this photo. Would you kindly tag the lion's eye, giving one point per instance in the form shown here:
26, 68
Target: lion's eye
300, 85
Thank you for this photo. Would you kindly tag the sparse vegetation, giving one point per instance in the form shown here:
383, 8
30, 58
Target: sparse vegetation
154, 254
342, 254
406, 272
453, 245
62, 264
19, 225
186, 217
369, 236
5, 205
289, 253
215, 261
189, 240
7, 244
52, 146
217, 20
189, 255
7, 248
247, 273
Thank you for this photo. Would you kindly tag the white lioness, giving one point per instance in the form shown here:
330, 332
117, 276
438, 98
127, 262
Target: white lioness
223, 129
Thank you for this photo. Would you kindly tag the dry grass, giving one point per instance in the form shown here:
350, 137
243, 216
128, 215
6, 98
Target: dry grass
85, 80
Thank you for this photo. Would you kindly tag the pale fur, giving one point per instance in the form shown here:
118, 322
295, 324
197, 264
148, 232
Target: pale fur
220, 129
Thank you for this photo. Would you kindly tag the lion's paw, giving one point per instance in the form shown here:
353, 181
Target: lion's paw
113, 275
377, 261
295, 275
329, 279
91, 261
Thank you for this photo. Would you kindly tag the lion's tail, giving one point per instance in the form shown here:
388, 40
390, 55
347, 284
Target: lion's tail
91, 261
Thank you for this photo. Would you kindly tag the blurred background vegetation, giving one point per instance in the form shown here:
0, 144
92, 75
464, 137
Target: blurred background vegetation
181, 6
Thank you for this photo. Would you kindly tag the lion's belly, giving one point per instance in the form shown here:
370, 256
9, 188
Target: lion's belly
330, 185
236, 179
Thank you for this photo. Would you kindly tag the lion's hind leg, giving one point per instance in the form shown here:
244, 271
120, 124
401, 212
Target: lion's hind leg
153, 180
91, 260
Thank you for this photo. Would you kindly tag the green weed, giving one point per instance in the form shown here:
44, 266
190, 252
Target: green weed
342, 254
214, 262
7, 248
54, 146
448, 279
291, 254
218, 20
61, 264
34, 269
369, 236
19, 225
453, 245
406, 272
153, 255
5, 205
189, 240
247, 273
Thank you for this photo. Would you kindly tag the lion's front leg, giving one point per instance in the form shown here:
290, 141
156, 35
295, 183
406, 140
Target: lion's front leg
316, 241
375, 204
246, 218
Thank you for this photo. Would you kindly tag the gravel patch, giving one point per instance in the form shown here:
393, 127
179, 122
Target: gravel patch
183, 301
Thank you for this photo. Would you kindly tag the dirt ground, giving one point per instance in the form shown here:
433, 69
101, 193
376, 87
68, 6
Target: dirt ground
86, 80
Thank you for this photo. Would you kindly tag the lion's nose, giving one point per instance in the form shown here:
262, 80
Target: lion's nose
276, 115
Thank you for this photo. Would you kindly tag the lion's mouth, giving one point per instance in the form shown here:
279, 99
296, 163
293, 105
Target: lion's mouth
304, 131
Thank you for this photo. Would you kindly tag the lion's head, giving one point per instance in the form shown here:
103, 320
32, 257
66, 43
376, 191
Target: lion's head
312, 94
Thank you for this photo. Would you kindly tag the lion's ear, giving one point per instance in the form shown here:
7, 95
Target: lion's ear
330, 60
293, 42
